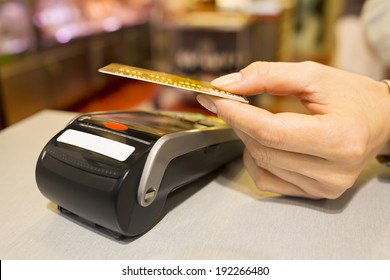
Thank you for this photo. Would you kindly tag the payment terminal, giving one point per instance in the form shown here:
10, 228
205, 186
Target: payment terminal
116, 169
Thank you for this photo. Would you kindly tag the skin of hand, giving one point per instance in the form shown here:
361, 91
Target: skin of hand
317, 155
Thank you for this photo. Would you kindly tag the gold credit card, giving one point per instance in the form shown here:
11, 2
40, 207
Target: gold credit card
168, 80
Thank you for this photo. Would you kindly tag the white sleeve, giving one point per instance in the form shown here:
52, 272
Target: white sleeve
376, 23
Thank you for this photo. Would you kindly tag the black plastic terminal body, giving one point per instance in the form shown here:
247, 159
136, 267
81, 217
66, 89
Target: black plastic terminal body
103, 190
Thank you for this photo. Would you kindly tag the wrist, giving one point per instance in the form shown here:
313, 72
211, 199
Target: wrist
384, 154
387, 82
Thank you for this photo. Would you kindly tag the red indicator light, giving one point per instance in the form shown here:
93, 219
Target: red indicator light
115, 126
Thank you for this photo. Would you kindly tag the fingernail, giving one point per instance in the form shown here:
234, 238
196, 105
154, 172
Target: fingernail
227, 80
206, 102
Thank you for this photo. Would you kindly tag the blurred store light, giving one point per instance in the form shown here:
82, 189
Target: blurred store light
231, 4
50, 50
259, 7
64, 35
59, 21
15, 29
111, 24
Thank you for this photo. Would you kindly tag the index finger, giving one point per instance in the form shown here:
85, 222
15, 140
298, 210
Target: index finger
303, 79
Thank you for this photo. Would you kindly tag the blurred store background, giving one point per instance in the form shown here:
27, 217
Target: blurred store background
50, 50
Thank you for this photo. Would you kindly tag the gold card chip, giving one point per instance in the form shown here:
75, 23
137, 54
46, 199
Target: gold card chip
168, 80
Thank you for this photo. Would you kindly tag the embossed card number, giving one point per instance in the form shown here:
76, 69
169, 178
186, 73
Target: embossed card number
168, 80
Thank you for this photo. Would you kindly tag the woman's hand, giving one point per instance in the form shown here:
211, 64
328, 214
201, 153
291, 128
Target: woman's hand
315, 156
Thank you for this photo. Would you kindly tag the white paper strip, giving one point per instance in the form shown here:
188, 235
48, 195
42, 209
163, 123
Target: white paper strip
98, 144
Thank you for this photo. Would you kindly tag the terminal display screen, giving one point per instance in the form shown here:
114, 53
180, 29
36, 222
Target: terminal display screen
155, 124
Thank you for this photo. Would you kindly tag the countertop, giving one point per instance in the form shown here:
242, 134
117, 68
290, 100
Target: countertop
221, 216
